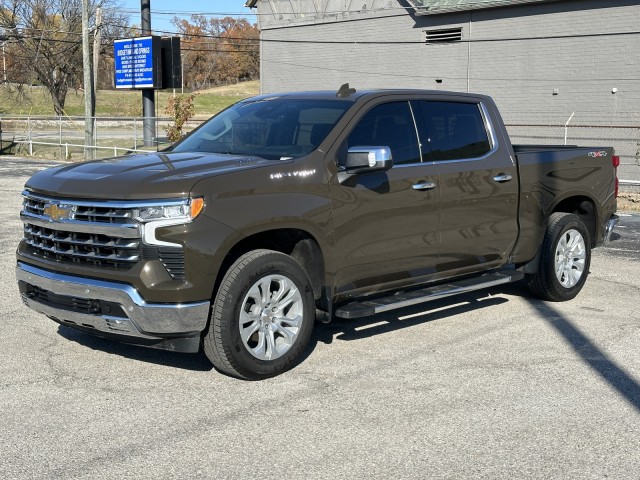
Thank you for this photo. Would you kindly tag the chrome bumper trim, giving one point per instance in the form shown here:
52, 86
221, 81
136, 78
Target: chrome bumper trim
145, 320
613, 221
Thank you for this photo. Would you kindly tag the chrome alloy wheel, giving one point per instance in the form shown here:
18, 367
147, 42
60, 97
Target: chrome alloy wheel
570, 258
271, 317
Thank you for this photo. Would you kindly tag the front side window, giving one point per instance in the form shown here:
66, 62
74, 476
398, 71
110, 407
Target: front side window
454, 131
271, 128
388, 125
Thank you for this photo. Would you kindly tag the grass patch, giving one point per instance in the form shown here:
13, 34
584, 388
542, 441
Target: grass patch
120, 103
246, 89
629, 202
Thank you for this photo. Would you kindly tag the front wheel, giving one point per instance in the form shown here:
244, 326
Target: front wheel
262, 316
564, 259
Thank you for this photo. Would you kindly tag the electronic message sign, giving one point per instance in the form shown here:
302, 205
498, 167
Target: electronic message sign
137, 62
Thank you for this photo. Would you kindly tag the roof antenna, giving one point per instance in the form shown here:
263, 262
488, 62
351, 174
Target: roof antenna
344, 91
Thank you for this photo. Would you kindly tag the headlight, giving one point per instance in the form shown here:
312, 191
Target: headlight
187, 211
165, 215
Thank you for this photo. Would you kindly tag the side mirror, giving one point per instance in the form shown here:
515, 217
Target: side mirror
368, 159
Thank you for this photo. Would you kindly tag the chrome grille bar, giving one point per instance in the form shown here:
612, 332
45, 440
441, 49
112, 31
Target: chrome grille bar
117, 230
70, 252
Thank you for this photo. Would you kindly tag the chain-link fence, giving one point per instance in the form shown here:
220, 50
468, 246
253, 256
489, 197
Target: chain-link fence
625, 140
63, 137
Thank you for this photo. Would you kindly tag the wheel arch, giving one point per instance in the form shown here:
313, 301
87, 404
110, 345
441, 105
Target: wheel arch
580, 205
584, 207
295, 242
557, 267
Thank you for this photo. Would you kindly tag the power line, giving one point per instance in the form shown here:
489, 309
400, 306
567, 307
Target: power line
258, 14
344, 42
400, 75
274, 14
478, 40
193, 35
396, 42
31, 35
133, 11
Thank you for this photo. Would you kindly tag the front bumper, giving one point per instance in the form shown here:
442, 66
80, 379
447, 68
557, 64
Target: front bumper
112, 309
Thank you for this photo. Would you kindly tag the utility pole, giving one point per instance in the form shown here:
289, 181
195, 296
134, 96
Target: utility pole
4, 64
148, 97
96, 60
3, 39
89, 99
96, 49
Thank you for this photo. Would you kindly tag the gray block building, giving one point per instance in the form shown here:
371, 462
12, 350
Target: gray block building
543, 61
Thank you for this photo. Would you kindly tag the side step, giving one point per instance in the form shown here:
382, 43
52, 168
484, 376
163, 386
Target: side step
367, 308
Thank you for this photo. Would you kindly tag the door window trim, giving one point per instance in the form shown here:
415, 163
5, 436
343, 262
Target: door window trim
415, 126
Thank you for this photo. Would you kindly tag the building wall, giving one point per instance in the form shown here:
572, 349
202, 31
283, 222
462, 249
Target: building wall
512, 54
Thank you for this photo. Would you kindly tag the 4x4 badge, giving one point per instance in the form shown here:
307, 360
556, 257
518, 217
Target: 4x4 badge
600, 153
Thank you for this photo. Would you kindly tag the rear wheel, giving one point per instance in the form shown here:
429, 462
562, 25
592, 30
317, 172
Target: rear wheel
262, 316
564, 259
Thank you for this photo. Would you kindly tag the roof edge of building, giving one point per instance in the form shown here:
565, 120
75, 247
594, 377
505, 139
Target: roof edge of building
439, 7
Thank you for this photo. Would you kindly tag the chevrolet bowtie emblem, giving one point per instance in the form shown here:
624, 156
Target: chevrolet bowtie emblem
57, 212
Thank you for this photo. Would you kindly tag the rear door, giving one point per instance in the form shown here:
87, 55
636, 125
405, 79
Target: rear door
478, 184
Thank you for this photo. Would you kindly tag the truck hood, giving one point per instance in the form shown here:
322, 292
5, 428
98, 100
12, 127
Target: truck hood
152, 175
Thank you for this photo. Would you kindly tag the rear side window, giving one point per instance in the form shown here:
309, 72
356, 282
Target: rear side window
388, 125
454, 131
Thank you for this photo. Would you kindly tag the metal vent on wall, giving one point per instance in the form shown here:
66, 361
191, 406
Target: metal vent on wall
447, 35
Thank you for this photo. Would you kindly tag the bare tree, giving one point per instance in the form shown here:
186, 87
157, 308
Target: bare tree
218, 50
46, 38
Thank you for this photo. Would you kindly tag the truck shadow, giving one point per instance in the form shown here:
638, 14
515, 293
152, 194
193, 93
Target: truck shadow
338, 329
380, 324
349, 330
617, 378
585, 348
189, 361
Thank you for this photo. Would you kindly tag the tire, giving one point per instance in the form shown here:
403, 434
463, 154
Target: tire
565, 259
262, 316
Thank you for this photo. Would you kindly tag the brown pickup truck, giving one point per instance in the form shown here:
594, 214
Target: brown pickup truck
288, 208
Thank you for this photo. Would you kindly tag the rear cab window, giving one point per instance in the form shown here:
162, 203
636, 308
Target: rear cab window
452, 130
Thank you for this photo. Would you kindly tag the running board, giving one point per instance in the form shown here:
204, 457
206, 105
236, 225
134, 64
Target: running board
367, 308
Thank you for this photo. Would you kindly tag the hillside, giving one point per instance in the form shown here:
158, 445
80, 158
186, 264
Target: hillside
34, 100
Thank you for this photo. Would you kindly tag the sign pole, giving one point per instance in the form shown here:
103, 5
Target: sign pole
148, 98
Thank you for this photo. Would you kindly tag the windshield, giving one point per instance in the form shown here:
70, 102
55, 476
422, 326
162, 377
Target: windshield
272, 128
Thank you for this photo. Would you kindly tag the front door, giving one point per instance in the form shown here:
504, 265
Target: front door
386, 223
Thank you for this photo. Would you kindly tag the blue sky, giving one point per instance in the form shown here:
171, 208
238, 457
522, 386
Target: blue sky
162, 11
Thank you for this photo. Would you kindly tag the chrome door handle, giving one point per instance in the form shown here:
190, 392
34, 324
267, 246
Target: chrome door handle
423, 186
502, 178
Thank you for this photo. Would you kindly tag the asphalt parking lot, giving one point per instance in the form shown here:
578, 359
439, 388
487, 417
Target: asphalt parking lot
490, 385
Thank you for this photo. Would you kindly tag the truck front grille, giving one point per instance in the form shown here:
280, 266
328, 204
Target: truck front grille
82, 248
91, 233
